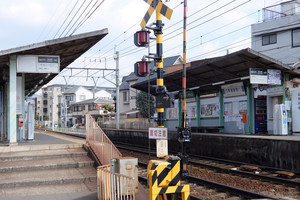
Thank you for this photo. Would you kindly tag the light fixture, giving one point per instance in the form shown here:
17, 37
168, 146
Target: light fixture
218, 83
245, 77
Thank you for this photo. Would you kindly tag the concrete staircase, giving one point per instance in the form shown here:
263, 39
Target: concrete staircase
47, 174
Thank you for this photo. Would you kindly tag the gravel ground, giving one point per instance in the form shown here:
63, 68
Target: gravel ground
262, 187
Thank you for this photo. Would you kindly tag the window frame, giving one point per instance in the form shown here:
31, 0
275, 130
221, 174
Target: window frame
268, 36
297, 29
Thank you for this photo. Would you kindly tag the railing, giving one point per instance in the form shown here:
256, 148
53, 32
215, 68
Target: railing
104, 149
114, 186
136, 124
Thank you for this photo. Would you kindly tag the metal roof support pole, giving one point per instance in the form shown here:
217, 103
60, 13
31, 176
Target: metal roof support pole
12, 106
198, 108
23, 107
249, 109
221, 112
179, 111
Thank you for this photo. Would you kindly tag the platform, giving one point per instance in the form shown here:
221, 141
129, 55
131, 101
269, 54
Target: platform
48, 141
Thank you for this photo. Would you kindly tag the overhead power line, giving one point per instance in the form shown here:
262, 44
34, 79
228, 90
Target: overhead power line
66, 19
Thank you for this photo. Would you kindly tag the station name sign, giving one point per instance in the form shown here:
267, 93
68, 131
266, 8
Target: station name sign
158, 133
38, 64
265, 76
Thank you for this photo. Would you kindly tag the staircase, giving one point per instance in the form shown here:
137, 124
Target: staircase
63, 173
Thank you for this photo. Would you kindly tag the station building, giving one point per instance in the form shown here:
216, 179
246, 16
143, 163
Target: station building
235, 93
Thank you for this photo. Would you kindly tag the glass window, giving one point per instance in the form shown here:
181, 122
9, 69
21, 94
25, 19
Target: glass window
82, 97
269, 39
125, 96
296, 38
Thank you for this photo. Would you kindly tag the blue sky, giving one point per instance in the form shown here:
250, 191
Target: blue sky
214, 26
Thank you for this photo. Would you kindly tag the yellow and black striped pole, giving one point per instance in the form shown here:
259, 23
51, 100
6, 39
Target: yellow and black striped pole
160, 65
185, 129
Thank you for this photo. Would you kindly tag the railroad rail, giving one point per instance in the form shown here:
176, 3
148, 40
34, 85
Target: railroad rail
224, 166
234, 168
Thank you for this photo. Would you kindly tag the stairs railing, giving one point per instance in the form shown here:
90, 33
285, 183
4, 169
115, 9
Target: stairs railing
103, 148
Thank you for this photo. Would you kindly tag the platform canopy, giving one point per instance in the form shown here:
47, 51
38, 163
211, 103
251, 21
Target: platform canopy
68, 48
208, 74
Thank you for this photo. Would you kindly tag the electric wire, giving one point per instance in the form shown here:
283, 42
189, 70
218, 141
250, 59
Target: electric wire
66, 19
87, 17
72, 18
78, 18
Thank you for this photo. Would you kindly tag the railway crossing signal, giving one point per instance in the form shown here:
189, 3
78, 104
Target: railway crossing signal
159, 7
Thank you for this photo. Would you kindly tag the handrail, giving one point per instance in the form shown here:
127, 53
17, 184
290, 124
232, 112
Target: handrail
104, 149
113, 186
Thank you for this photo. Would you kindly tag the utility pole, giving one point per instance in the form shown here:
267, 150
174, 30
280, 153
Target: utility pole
53, 109
184, 132
160, 66
117, 57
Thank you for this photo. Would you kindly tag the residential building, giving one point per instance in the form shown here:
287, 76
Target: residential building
278, 35
55, 100
49, 106
92, 106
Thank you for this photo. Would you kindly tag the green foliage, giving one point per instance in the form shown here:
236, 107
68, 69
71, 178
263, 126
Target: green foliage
108, 108
45, 118
142, 104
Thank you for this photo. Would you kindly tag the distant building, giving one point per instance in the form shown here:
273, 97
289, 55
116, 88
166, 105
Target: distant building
278, 35
55, 100
128, 94
92, 106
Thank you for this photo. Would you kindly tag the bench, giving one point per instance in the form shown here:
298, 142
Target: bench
206, 129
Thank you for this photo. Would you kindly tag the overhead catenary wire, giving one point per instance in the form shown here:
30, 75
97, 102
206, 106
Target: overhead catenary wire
87, 16
178, 34
65, 19
72, 18
78, 17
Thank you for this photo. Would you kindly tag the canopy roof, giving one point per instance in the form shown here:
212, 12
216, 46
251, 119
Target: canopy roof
204, 75
68, 48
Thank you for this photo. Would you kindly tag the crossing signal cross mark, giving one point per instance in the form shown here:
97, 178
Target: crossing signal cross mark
160, 7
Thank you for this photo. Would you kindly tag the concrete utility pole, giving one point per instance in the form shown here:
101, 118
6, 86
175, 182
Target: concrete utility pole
118, 90
52, 110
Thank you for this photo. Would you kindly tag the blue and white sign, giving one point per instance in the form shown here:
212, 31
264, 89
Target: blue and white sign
233, 90
274, 77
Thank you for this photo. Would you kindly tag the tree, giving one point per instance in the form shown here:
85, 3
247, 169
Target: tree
107, 108
142, 104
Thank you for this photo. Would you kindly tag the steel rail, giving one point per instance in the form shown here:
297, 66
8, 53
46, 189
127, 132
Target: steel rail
225, 188
218, 186
223, 161
236, 172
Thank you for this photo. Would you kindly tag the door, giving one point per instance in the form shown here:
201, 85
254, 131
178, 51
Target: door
296, 110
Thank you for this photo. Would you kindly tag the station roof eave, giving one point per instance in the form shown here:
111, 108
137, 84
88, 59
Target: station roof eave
204, 74
68, 48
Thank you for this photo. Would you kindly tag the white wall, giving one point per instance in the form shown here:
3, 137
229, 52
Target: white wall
82, 91
282, 50
103, 94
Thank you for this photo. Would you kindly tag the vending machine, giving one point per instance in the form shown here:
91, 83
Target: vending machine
260, 108
280, 125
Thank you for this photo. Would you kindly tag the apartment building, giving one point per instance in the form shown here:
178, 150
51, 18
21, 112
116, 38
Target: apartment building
278, 35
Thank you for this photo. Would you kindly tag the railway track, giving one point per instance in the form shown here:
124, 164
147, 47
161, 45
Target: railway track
285, 187
228, 181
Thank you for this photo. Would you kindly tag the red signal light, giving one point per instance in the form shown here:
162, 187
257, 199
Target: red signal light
141, 38
141, 68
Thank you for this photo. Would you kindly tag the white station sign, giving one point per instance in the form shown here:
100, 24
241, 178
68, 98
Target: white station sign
38, 64
158, 133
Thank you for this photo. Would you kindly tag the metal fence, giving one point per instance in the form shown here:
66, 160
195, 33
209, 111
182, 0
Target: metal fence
113, 186
132, 123
104, 149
